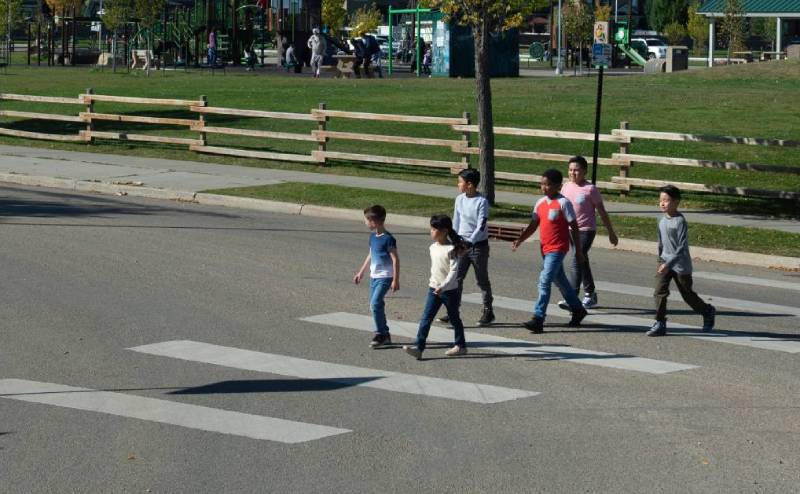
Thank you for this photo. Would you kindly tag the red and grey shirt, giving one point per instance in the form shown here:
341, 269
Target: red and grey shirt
554, 215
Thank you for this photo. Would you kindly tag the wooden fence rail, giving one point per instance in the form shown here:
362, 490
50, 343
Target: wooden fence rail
460, 145
626, 161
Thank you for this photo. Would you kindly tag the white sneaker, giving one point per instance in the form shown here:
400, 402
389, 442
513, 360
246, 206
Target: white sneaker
456, 351
589, 301
562, 304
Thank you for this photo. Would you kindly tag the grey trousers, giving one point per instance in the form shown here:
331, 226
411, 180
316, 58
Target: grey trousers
581, 271
478, 257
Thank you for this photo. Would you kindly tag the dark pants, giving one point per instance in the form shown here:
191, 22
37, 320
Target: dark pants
451, 300
478, 257
684, 284
581, 271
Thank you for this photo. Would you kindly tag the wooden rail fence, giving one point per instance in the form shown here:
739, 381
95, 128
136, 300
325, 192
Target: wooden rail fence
321, 136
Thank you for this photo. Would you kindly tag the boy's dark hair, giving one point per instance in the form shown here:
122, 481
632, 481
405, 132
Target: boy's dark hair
553, 176
671, 191
580, 161
471, 176
375, 213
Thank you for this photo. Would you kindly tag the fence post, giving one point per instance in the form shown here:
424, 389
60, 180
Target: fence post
624, 148
465, 140
89, 110
322, 143
202, 120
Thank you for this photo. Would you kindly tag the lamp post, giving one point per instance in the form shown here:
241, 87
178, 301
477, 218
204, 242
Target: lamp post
559, 68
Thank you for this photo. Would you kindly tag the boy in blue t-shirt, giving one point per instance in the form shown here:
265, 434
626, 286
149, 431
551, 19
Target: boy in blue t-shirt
384, 270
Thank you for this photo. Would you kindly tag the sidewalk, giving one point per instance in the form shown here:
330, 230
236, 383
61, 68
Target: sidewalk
188, 176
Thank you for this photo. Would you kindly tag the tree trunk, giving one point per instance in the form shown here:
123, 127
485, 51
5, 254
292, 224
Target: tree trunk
483, 96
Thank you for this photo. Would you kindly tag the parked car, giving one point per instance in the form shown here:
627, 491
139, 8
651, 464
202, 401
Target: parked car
656, 47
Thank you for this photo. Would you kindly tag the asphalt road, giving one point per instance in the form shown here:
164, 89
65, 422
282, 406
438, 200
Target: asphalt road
87, 278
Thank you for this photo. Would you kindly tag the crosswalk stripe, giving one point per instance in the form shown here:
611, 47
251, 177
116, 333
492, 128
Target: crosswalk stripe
165, 412
728, 303
747, 280
788, 345
499, 344
310, 369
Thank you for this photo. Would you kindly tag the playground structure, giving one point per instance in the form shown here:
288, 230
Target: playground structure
178, 39
622, 41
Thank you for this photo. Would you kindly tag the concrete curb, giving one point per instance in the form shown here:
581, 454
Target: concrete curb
639, 246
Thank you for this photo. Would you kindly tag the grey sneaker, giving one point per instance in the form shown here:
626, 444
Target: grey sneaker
589, 300
445, 319
562, 304
659, 328
708, 319
413, 350
456, 351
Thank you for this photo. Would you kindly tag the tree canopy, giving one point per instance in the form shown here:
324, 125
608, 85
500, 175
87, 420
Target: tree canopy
663, 12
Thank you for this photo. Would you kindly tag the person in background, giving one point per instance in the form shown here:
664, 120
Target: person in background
318, 46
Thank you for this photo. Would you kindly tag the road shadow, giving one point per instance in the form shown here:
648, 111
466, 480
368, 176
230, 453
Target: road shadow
47, 204
275, 386
626, 311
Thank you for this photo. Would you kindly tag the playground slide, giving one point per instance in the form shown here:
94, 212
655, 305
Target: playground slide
632, 54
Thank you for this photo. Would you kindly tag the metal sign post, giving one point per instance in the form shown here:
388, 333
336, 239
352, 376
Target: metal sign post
601, 58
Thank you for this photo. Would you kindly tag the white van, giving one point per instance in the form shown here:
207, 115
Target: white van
656, 47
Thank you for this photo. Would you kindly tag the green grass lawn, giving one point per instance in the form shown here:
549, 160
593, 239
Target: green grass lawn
752, 100
720, 237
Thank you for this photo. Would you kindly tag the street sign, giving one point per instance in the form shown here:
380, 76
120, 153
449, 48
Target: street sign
601, 32
601, 55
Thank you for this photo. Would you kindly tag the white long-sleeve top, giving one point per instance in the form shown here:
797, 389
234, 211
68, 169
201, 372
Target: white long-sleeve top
443, 268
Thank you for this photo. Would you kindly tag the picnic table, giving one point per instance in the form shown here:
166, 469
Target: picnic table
344, 66
141, 57
772, 55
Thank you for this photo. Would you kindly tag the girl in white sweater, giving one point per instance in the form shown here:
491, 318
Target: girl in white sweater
445, 250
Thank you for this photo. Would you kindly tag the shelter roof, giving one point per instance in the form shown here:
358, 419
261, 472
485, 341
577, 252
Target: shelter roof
755, 8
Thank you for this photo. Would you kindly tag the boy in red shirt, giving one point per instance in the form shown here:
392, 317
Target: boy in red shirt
556, 217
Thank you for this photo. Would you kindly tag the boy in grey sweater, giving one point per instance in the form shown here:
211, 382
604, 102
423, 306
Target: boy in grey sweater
675, 263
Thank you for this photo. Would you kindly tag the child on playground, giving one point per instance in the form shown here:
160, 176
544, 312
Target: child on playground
470, 217
384, 268
675, 263
585, 199
443, 288
556, 217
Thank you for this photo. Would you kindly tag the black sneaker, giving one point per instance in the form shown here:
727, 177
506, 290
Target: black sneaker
487, 317
445, 319
708, 319
577, 317
380, 340
535, 325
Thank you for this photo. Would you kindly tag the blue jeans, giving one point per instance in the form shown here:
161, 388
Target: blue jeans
377, 290
451, 300
553, 272
212, 56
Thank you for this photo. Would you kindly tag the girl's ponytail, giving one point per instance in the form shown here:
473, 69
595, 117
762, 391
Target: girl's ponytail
443, 222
